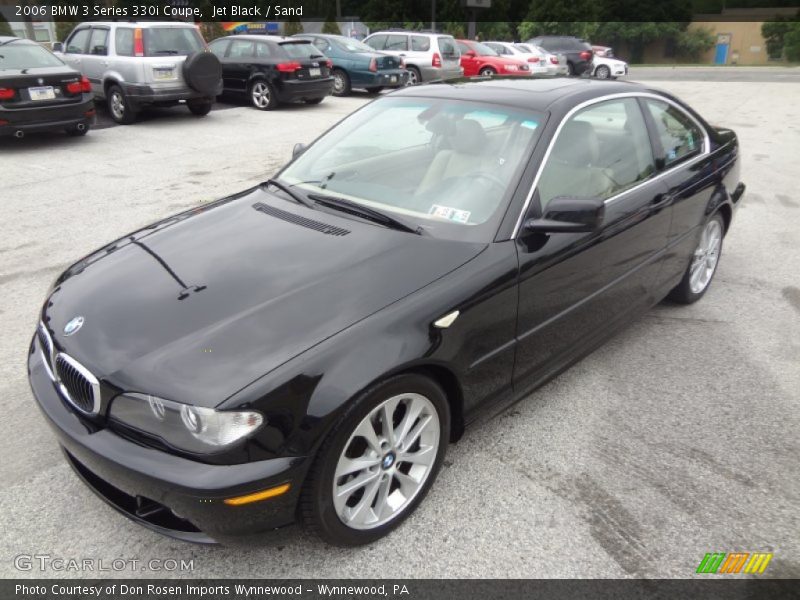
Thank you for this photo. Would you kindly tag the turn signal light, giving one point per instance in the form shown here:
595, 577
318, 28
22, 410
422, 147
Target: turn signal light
138, 42
288, 67
79, 87
6, 93
258, 496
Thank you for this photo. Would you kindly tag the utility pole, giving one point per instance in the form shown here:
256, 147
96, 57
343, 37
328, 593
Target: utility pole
433, 15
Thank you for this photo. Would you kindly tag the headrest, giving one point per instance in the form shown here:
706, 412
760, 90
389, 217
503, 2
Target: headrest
577, 144
470, 138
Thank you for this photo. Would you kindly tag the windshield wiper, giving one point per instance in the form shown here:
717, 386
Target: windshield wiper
365, 212
286, 189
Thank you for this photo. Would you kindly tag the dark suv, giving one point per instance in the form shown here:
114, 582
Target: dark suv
578, 52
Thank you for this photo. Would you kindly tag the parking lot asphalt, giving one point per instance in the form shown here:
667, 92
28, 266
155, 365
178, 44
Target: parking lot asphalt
677, 438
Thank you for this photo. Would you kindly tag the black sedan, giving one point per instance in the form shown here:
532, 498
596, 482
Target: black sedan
307, 348
38, 92
270, 70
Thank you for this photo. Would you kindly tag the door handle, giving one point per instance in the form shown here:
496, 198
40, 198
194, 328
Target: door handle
660, 201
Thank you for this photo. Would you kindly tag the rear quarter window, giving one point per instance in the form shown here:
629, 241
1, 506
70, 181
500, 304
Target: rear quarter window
420, 43
123, 41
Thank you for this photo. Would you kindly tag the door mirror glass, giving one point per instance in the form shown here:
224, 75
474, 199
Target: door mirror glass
298, 150
569, 214
58, 47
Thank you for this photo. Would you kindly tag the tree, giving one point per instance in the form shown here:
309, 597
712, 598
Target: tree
774, 34
792, 42
331, 26
63, 29
5, 28
692, 43
292, 26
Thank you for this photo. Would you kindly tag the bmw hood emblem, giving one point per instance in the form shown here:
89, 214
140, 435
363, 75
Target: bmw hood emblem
73, 325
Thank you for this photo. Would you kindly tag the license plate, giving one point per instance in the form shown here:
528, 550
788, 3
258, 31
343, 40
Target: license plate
164, 73
315, 72
42, 93
393, 79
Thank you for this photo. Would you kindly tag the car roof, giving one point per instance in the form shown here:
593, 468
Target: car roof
269, 38
407, 32
141, 24
535, 94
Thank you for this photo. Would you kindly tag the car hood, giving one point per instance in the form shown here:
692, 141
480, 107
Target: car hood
197, 306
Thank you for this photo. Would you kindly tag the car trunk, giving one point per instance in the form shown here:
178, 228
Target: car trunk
387, 62
39, 86
310, 64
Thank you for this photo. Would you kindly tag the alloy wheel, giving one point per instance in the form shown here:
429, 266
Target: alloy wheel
338, 82
487, 73
386, 461
412, 77
117, 106
260, 94
706, 257
602, 72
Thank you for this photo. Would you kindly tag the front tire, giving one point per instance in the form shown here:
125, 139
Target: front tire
262, 95
118, 106
602, 72
487, 72
368, 477
703, 264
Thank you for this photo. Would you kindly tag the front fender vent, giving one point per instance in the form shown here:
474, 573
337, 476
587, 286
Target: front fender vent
298, 220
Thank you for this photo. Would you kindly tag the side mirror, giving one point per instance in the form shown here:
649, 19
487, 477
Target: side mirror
568, 214
58, 46
470, 54
298, 150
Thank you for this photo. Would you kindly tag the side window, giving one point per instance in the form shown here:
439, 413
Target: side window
98, 42
219, 47
123, 41
396, 42
322, 45
600, 151
463, 48
377, 41
78, 41
680, 137
420, 43
241, 49
263, 50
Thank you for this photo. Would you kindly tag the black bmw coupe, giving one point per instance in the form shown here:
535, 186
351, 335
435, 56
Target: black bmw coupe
306, 349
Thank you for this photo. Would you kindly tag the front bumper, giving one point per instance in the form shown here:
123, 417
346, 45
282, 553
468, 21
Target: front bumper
145, 95
48, 118
293, 91
169, 494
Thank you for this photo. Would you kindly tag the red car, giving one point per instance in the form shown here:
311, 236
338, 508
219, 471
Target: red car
479, 59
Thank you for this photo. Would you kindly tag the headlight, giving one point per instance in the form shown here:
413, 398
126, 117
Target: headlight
186, 427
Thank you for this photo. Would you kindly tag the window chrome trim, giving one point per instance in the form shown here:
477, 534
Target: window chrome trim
705, 151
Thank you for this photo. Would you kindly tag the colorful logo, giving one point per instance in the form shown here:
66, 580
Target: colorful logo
734, 562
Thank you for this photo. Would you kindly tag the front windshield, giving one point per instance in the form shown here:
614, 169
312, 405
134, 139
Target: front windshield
351, 45
448, 166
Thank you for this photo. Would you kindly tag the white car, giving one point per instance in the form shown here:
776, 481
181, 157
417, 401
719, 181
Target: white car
537, 61
608, 68
556, 63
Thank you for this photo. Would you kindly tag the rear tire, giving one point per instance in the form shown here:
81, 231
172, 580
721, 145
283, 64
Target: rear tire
341, 83
398, 463
200, 109
570, 69
414, 78
703, 264
118, 106
487, 72
262, 95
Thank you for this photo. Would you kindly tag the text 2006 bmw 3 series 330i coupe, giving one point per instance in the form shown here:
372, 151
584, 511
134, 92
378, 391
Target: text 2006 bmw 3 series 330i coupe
306, 349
